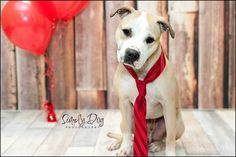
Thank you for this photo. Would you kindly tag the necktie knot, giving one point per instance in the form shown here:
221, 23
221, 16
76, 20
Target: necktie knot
141, 85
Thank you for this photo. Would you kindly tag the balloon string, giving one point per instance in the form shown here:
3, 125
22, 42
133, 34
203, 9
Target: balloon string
49, 104
50, 75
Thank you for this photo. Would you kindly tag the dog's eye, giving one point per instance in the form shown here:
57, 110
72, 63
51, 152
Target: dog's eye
127, 32
149, 40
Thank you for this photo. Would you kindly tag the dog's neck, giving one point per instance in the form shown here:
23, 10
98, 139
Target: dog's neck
142, 72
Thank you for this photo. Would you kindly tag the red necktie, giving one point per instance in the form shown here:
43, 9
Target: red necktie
140, 147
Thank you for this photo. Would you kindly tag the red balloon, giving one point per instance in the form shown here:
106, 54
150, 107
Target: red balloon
55, 10
47, 8
78, 7
26, 27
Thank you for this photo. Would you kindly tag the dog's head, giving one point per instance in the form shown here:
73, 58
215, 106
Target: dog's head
138, 35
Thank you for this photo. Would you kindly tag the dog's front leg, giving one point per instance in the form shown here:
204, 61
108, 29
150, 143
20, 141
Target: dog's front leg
126, 127
169, 111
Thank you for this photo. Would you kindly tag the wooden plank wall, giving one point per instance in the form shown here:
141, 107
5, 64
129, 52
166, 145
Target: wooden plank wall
90, 56
183, 17
211, 54
61, 52
30, 86
83, 52
231, 56
8, 81
8, 72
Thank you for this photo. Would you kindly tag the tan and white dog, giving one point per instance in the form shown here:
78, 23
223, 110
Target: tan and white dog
138, 41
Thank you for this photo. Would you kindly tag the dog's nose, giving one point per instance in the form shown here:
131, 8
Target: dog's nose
131, 55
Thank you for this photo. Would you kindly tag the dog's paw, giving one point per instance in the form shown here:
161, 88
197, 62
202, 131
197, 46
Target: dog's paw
114, 145
170, 153
170, 149
156, 146
124, 151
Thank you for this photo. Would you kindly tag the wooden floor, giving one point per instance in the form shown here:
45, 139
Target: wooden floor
208, 132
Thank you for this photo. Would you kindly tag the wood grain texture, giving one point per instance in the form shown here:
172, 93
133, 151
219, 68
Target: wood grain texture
56, 142
30, 139
14, 129
7, 116
41, 121
90, 47
8, 72
87, 137
217, 132
111, 48
84, 57
62, 55
28, 74
81, 151
183, 6
195, 140
90, 54
231, 92
91, 99
208, 132
158, 8
181, 49
59, 138
111, 124
228, 116
211, 54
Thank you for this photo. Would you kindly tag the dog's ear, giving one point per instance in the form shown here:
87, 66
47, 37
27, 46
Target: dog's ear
123, 11
166, 27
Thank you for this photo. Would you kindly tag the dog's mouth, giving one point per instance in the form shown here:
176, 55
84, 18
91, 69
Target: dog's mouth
134, 64
131, 64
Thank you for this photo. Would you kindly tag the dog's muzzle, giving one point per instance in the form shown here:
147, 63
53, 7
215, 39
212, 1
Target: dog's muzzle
131, 56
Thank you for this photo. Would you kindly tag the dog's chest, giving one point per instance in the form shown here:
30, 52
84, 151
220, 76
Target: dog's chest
153, 96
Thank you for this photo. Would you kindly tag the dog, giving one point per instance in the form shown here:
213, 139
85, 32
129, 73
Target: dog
138, 46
